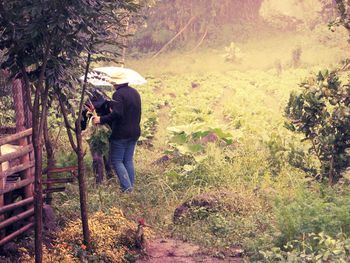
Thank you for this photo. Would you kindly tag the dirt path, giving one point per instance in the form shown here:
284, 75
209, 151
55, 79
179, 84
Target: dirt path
217, 107
160, 135
159, 140
175, 251
167, 250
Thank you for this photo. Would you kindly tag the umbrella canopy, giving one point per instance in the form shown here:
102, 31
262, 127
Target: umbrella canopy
103, 76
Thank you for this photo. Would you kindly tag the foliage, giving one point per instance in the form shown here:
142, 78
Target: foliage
311, 248
97, 136
113, 239
7, 115
311, 212
344, 16
321, 113
98, 139
237, 220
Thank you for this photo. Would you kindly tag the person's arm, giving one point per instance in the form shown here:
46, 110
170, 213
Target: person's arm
116, 112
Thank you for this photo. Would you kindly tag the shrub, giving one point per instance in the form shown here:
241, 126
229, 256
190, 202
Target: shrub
322, 211
321, 113
313, 248
113, 239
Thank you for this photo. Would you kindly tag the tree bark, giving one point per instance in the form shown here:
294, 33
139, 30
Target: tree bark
38, 124
82, 192
48, 145
81, 167
78, 148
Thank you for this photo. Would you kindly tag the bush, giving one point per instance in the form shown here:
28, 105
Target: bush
313, 248
321, 113
113, 239
323, 211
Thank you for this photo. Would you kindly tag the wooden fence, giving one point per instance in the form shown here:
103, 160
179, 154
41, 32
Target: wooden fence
16, 186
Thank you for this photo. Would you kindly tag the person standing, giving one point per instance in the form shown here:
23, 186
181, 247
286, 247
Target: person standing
125, 117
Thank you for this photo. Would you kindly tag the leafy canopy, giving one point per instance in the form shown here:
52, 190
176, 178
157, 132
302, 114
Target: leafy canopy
321, 113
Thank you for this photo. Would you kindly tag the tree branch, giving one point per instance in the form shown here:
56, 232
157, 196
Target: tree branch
171, 40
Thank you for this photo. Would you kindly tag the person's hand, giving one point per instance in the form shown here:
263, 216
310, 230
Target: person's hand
96, 119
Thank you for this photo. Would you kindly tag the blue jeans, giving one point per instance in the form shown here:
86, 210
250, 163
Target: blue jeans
122, 153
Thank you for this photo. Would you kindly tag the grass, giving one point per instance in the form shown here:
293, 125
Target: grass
248, 100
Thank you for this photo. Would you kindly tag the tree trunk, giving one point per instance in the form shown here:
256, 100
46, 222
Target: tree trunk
81, 168
38, 191
82, 189
38, 125
78, 148
48, 146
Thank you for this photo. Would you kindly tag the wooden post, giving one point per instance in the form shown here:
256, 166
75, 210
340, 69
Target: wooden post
48, 187
20, 126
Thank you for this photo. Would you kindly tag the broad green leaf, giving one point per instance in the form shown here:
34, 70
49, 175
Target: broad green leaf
195, 148
179, 138
221, 134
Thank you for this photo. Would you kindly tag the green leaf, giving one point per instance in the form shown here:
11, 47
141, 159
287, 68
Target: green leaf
173, 174
179, 138
221, 134
200, 134
195, 147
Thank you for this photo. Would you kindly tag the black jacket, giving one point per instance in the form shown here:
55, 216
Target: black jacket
126, 114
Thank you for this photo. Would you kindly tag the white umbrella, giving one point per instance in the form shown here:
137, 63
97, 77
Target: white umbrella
104, 75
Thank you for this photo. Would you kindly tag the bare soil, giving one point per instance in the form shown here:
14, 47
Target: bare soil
164, 250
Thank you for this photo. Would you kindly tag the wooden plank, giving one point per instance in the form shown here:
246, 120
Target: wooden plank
53, 190
59, 180
28, 173
15, 205
16, 233
16, 136
64, 169
22, 151
16, 218
16, 169
17, 185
